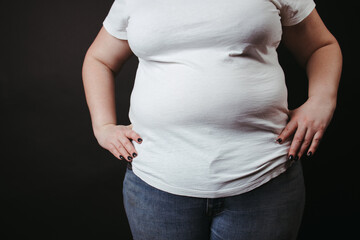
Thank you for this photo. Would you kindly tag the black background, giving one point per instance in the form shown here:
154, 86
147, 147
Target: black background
58, 183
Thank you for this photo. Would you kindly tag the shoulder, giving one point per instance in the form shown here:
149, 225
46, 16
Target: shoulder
293, 11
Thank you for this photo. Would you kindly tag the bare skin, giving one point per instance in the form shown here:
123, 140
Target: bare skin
102, 62
317, 50
310, 41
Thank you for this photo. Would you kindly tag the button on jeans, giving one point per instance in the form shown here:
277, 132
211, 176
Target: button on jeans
272, 211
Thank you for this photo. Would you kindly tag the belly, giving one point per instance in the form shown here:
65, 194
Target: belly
180, 97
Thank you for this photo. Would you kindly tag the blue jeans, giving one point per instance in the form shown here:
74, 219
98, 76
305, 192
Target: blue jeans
272, 211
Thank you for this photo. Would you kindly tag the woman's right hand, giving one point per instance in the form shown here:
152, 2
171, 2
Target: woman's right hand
116, 139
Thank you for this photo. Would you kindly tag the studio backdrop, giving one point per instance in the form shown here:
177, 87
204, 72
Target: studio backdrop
58, 183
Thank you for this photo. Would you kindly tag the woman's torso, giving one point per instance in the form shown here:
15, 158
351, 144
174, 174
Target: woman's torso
209, 96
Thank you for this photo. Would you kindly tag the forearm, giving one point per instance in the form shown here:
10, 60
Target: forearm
99, 88
324, 71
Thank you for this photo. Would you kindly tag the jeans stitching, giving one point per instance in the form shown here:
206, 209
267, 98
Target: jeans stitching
217, 235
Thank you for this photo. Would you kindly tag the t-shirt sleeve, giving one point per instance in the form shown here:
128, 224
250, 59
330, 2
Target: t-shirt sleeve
116, 21
294, 11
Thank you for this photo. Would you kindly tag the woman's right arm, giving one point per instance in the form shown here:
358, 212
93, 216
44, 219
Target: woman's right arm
102, 62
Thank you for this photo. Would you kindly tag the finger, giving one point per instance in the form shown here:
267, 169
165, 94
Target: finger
134, 136
296, 143
114, 151
124, 154
306, 143
129, 147
289, 130
315, 143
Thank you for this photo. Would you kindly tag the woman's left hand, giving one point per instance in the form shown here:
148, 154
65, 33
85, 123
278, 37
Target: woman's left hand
307, 124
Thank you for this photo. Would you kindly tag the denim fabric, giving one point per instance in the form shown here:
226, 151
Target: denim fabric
272, 211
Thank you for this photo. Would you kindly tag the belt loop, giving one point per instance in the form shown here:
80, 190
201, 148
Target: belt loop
209, 206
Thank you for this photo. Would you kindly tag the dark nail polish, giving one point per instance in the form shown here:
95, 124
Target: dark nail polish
130, 158
121, 157
279, 140
134, 154
309, 154
296, 158
139, 140
291, 157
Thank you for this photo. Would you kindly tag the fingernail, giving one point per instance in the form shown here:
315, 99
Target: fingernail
309, 154
134, 154
296, 158
139, 140
291, 157
279, 140
130, 158
121, 157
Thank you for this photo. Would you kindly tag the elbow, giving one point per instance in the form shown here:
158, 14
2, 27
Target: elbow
91, 59
329, 48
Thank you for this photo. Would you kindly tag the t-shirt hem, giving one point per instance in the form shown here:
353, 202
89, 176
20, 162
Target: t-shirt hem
301, 17
212, 194
116, 33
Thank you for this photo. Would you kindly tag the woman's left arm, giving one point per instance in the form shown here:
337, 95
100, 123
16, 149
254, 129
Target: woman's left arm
318, 51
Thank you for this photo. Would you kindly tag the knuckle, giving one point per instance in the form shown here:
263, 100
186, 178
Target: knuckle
121, 132
123, 152
322, 127
134, 136
308, 121
287, 129
111, 149
133, 133
123, 140
123, 137
127, 144
303, 121
128, 132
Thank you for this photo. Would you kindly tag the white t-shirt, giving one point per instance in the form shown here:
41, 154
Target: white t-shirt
209, 97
